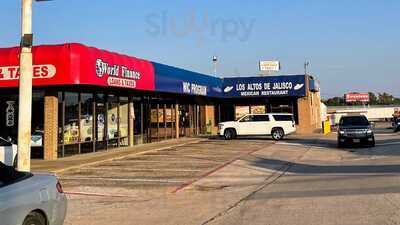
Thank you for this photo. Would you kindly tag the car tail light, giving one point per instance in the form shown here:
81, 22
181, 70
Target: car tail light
59, 187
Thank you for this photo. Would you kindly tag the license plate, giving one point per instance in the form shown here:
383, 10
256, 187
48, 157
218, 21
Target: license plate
356, 140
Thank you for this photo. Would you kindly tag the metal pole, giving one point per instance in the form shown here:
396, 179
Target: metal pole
306, 65
215, 63
25, 90
305, 68
215, 69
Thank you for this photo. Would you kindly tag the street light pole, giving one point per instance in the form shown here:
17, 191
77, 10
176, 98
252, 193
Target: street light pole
25, 89
215, 63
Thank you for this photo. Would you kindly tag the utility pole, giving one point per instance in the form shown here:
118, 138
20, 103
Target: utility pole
306, 65
25, 89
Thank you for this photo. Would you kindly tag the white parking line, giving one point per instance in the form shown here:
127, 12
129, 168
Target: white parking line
389, 134
327, 146
389, 143
144, 161
123, 179
286, 143
140, 169
304, 145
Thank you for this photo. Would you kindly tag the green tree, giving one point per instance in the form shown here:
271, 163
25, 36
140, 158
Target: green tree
385, 98
396, 101
373, 100
335, 101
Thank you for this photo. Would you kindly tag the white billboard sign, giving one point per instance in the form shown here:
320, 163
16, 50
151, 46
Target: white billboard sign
270, 66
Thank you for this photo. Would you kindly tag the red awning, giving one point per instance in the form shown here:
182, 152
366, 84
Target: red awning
77, 64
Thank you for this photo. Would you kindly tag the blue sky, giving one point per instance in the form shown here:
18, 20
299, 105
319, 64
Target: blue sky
352, 45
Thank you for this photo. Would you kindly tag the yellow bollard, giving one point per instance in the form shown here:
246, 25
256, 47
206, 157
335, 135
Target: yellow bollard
326, 127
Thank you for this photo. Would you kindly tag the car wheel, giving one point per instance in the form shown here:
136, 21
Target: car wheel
34, 218
277, 134
229, 134
340, 144
372, 143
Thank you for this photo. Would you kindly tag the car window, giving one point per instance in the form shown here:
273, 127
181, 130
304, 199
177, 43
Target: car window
4, 142
354, 120
249, 118
8, 175
260, 118
283, 117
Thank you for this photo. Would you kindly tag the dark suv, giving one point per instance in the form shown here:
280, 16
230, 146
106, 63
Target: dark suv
354, 130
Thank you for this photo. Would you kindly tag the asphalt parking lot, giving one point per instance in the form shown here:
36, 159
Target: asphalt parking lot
165, 170
300, 180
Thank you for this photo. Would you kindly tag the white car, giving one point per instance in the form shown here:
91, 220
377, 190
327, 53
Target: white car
275, 124
30, 199
8, 152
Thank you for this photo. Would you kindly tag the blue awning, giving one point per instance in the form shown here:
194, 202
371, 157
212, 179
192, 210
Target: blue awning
170, 79
175, 80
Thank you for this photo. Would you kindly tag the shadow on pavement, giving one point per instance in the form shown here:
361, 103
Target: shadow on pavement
329, 180
301, 168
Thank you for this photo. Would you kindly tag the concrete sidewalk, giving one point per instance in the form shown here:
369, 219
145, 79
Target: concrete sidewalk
77, 161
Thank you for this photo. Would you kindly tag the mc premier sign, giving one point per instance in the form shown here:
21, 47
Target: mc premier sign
265, 86
174, 80
357, 97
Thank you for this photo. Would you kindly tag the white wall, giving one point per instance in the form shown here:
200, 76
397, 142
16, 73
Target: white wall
372, 113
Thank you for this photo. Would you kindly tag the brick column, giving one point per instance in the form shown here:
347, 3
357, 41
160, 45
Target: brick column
309, 111
50, 126
304, 115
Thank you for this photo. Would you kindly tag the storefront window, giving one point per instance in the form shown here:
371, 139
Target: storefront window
217, 113
156, 118
162, 122
170, 120
112, 121
137, 116
100, 122
9, 116
71, 125
86, 122
282, 107
184, 120
146, 119
86, 117
123, 121
37, 125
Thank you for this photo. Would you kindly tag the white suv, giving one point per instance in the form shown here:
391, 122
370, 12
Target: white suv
275, 124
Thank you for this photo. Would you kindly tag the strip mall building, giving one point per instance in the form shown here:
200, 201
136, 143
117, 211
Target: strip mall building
87, 100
